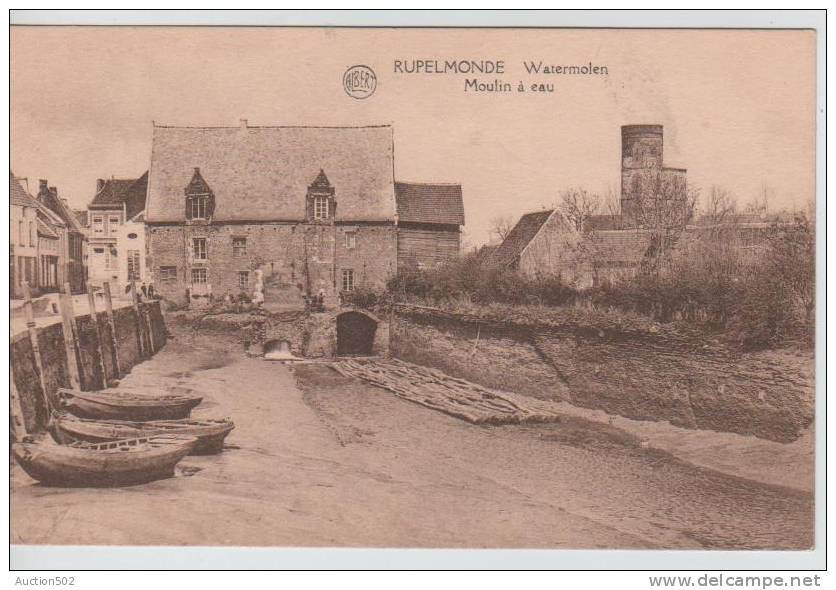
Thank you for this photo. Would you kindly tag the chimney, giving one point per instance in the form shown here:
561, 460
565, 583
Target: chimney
242, 123
43, 191
99, 185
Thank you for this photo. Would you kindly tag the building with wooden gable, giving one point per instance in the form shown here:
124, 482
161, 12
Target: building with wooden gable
430, 218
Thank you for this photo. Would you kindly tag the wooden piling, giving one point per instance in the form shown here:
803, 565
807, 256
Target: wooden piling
32, 329
70, 330
114, 343
91, 302
149, 330
17, 422
138, 318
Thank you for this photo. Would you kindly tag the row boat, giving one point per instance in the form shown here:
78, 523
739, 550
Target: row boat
118, 463
210, 433
125, 405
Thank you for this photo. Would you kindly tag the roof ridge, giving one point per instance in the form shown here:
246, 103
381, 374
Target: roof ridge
428, 183
381, 126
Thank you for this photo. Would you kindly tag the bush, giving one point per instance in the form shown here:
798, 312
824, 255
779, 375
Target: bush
363, 297
471, 280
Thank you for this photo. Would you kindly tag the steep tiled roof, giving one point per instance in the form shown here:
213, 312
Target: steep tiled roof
263, 173
598, 222
629, 246
527, 227
44, 229
112, 191
18, 195
55, 204
82, 217
429, 203
128, 191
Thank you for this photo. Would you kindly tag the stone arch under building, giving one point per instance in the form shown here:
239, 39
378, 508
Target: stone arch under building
356, 331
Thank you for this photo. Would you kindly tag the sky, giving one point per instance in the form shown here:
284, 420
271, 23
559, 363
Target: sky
738, 107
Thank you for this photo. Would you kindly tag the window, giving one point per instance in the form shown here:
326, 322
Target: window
113, 220
239, 247
348, 279
243, 278
350, 240
168, 273
132, 236
133, 265
98, 224
20, 233
320, 207
198, 206
199, 248
198, 276
31, 233
111, 259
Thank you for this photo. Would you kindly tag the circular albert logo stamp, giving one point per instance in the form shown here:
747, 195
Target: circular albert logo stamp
359, 82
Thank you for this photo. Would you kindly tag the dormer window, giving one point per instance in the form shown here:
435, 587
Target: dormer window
200, 201
321, 204
321, 208
199, 206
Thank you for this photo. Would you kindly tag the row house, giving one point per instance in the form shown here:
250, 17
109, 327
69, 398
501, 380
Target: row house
314, 209
23, 238
38, 243
72, 245
116, 232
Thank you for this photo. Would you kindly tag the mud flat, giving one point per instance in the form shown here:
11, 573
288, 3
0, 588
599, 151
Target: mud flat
318, 459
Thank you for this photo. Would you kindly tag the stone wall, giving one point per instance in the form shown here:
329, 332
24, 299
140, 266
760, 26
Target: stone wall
308, 256
312, 335
54, 360
690, 382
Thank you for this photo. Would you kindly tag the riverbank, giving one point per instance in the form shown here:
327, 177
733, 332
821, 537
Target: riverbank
317, 459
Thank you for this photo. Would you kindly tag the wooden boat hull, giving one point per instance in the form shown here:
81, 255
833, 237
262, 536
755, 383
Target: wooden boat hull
128, 462
114, 405
210, 434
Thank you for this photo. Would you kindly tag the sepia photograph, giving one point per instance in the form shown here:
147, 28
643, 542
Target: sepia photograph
395, 287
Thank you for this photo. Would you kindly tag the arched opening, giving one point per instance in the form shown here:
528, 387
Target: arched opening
278, 350
355, 333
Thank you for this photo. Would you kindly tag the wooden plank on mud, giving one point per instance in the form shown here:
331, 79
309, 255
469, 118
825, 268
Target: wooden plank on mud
453, 396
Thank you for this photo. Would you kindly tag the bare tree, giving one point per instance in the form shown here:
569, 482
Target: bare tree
501, 226
611, 202
760, 205
578, 205
720, 206
663, 204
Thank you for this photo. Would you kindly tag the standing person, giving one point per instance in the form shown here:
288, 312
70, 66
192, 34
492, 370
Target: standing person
144, 290
151, 290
